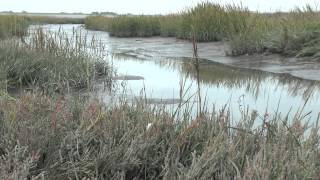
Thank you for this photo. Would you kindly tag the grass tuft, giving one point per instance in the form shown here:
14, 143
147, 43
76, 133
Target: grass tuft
51, 61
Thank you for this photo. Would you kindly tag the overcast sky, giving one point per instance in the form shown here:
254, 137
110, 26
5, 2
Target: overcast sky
139, 6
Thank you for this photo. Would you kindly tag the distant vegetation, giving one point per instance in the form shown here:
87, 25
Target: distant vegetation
11, 25
97, 22
41, 18
54, 20
296, 33
96, 13
131, 26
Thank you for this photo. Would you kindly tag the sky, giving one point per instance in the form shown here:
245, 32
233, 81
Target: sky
141, 6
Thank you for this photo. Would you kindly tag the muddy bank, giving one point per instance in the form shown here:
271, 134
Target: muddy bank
146, 48
214, 51
159, 69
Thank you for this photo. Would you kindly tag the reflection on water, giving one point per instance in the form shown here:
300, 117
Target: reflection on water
161, 78
221, 85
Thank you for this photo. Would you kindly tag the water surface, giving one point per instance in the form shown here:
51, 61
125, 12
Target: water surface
160, 73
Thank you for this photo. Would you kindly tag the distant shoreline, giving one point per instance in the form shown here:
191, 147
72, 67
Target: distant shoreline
57, 15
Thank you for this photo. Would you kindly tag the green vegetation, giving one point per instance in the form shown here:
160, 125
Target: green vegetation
128, 26
125, 26
56, 136
14, 25
63, 138
169, 25
296, 33
53, 62
11, 25
97, 22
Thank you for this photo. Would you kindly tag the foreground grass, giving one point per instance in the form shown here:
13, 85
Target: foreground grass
60, 138
291, 34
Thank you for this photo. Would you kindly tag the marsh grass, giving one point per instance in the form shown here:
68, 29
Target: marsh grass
291, 34
59, 138
98, 23
134, 26
169, 25
209, 21
11, 25
52, 61
53, 20
54, 136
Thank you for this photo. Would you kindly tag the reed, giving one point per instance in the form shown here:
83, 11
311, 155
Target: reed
134, 26
98, 23
11, 25
209, 21
290, 34
169, 25
51, 61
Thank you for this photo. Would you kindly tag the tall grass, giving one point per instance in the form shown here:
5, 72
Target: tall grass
97, 22
169, 25
134, 26
206, 20
51, 61
61, 138
11, 25
290, 34
209, 21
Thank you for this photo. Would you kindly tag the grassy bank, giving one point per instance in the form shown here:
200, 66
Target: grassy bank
50, 61
291, 34
125, 26
210, 22
61, 138
99, 23
11, 25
